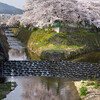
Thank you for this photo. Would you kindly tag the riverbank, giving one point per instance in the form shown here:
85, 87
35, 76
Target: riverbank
93, 90
6, 88
50, 45
89, 42
3, 46
92, 57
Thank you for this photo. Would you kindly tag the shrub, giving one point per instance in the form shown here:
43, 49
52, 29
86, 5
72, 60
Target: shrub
89, 83
83, 90
96, 85
82, 81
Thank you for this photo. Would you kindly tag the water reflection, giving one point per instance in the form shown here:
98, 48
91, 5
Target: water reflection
43, 88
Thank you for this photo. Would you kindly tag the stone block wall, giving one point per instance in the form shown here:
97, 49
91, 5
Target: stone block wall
51, 69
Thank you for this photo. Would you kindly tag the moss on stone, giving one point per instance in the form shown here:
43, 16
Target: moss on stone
93, 57
50, 41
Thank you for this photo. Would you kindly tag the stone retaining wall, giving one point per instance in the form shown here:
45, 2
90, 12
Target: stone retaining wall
50, 68
3, 47
90, 43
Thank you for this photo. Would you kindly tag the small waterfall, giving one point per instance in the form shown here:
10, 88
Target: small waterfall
16, 48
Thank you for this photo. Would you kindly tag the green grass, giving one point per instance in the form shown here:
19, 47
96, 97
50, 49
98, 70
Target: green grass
40, 40
89, 83
96, 85
81, 32
82, 81
83, 91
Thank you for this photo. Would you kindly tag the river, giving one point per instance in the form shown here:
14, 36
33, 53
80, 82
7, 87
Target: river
36, 88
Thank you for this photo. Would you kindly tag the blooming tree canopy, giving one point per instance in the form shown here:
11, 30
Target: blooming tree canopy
45, 12
15, 19
89, 10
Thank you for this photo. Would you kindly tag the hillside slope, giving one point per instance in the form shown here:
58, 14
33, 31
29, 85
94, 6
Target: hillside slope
7, 9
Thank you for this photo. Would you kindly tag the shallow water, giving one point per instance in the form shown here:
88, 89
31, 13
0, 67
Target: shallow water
36, 88
42, 88
16, 48
17, 54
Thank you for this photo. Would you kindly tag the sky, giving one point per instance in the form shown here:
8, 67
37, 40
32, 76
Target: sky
15, 3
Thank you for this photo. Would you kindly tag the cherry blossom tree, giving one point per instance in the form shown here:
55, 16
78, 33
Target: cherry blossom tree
15, 19
45, 12
89, 10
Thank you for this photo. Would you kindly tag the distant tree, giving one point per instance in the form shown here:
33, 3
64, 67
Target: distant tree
15, 19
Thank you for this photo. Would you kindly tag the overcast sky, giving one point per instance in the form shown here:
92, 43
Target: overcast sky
16, 3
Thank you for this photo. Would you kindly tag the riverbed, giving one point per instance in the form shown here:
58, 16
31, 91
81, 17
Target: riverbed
41, 88
32, 87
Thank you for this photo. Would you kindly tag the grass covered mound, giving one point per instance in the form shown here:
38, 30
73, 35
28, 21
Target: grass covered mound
40, 40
